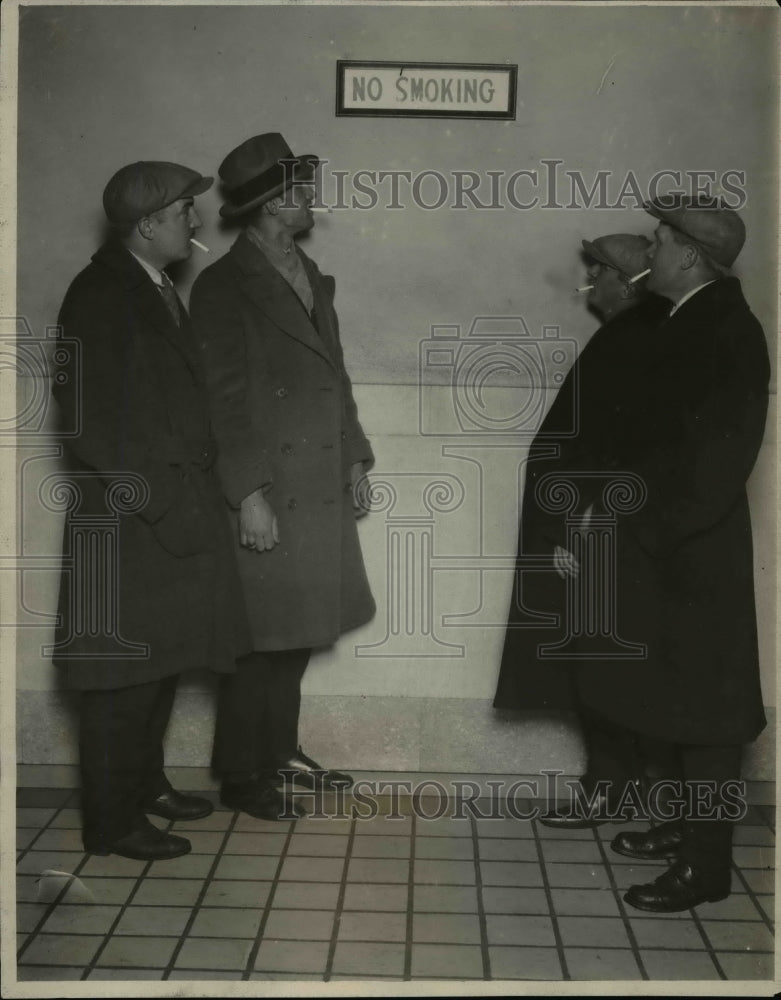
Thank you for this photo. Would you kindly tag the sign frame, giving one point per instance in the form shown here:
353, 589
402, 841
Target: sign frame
509, 114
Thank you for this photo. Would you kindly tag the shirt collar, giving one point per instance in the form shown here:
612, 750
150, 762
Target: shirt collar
689, 295
154, 274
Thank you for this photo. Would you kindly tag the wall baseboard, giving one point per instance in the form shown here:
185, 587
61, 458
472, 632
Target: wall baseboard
447, 735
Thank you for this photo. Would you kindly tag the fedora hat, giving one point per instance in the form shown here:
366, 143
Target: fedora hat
260, 169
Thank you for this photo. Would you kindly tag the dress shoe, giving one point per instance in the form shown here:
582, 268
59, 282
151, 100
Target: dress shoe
259, 799
604, 808
145, 843
683, 886
305, 771
171, 804
660, 842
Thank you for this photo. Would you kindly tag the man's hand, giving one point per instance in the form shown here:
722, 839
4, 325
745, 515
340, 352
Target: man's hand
257, 523
566, 564
361, 494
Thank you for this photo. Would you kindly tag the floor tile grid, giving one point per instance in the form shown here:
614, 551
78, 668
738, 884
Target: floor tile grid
329, 963
481, 918
61, 894
551, 908
621, 907
753, 897
200, 898
56, 811
253, 952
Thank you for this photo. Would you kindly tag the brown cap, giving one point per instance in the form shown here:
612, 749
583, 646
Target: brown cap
718, 230
147, 186
625, 253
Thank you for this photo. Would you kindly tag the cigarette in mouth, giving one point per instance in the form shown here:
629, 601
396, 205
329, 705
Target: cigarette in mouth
584, 288
320, 208
642, 274
200, 246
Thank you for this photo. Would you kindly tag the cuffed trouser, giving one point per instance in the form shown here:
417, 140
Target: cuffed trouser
257, 714
707, 841
121, 756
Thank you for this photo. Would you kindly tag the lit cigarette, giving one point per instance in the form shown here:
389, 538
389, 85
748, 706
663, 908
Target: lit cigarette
642, 274
319, 208
200, 246
584, 288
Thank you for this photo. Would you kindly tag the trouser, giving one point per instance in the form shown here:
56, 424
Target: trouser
257, 714
707, 838
121, 756
614, 754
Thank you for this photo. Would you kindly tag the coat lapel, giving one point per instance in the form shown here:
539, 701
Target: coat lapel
269, 291
149, 301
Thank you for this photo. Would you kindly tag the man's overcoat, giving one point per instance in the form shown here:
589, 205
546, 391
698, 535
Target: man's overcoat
286, 423
135, 393
689, 407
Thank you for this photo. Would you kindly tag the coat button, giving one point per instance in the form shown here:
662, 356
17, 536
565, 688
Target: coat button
282, 392
286, 449
291, 504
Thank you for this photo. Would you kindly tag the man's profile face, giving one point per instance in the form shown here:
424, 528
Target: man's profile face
665, 259
172, 228
294, 209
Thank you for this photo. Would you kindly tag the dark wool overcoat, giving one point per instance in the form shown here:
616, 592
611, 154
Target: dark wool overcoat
286, 422
134, 391
682, 406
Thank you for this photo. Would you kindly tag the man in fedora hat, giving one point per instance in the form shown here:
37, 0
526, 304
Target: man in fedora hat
291, 453
699, 690
173, 601
587, 435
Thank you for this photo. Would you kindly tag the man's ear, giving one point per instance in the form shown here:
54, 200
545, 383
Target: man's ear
628, 290
689, 257
272, 206
144, 227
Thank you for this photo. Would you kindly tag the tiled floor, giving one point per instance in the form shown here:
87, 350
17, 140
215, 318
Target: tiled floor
382, 898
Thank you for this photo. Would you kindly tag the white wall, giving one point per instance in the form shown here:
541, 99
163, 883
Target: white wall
689, 88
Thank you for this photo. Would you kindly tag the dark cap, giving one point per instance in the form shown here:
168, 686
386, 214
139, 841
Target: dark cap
147, 186
718, 230
625, 253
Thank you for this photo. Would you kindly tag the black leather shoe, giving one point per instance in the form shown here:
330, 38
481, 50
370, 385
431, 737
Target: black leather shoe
171, 804
302, 770
578, 814
145, 843
680, 888
259, 799
660, 842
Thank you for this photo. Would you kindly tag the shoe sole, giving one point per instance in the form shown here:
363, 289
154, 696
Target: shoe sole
137, 856
647, 908
272, 817
314, 784
665, 856
174, 817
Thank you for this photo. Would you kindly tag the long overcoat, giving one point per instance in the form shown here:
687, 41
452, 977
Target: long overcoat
156, 590
286, 422
691, 417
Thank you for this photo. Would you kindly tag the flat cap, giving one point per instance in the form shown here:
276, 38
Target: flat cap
147, 186
718, 230
626, 253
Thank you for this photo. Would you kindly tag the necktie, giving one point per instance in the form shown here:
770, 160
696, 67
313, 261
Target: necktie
169, 295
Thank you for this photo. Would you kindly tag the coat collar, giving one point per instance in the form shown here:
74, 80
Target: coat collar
269, 291
147, 298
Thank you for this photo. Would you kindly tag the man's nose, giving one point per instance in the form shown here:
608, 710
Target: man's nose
195, 219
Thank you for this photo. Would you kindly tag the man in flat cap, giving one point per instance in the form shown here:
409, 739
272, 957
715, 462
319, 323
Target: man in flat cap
585, 439
164, 596
291, 452
699, 689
